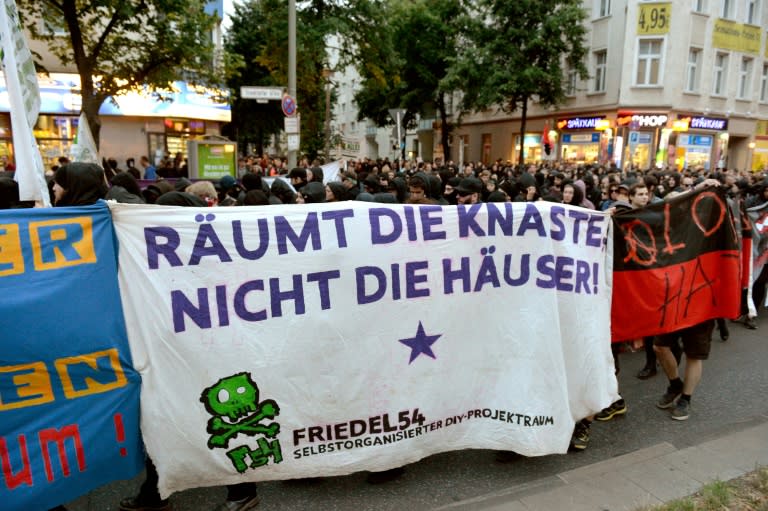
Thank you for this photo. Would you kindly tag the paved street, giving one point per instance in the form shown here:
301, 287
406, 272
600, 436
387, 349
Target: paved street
731, 397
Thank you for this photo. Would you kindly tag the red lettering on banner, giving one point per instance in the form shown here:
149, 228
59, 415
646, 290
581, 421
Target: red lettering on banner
670, 248
695, 214
633, 242
59, 436
677, 296
23, 476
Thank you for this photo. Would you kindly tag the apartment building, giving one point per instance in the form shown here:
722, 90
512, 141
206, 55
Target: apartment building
681, 83
133, 125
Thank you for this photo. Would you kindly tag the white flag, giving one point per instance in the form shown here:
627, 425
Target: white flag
84, 148
331, 171
24, 97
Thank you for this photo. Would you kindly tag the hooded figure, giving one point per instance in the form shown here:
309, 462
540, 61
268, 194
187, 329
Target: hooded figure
9, 193
79, 184
155, 190
313, 192
585, 203
282, 191
125, 189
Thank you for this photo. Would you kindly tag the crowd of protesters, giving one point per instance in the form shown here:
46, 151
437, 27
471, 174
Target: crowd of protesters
263, 181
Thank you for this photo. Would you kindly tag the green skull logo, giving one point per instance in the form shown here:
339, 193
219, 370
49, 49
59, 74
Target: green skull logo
234, 396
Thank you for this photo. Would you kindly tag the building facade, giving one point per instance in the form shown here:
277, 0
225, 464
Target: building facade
133, 125
681, 83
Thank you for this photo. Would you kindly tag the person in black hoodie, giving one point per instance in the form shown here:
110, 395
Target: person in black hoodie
79, 184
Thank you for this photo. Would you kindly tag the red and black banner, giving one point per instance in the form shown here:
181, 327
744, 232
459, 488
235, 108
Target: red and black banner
675, 264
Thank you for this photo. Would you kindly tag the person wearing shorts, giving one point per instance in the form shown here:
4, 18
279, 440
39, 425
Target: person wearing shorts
697, 340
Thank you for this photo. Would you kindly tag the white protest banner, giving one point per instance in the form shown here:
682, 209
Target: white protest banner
297, 341
24, 98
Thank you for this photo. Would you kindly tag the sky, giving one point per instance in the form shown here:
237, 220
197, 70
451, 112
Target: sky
229, 9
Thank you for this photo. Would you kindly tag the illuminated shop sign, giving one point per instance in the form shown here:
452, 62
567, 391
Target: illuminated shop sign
642, 120
586, 138
60, 94
708, 123
578, 123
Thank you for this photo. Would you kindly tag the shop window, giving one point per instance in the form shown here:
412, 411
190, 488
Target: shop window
745, 78
649, 56
692, 73
700, 6
764, 84
601, 62
720, 74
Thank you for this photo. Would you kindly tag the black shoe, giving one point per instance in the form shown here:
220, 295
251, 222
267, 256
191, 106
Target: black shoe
724, 333
385, 476
580, 437
647, 372
750, 323
617, 408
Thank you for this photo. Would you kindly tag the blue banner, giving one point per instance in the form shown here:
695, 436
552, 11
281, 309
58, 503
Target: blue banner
69, 396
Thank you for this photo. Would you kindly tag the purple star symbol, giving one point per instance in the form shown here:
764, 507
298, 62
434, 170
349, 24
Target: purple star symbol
421, 343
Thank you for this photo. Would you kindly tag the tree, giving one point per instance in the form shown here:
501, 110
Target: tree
518, 51
252, 122
403, 55
119, 46
261, 40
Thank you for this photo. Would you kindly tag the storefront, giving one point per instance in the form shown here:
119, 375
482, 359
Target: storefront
642, 133
704, 144
532, 149
135, 124
579, 141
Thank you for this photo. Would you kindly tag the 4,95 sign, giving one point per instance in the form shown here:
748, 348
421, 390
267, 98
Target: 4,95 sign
654, 18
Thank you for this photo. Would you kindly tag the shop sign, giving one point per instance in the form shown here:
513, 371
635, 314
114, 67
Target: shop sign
708, 123
635, 137
585, 138
696, 140
579, 123
642, 120
730, 35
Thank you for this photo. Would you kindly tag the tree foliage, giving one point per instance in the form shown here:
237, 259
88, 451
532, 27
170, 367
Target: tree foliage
119, 46
518, 51
402, 54
259, 34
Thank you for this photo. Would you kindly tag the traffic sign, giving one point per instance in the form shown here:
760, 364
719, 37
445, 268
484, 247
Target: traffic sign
292, 124
261, 94
289, 105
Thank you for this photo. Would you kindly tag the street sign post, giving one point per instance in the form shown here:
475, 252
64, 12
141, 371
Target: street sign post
261, 94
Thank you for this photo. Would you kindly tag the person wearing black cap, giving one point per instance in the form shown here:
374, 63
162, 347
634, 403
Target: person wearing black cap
469, 190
